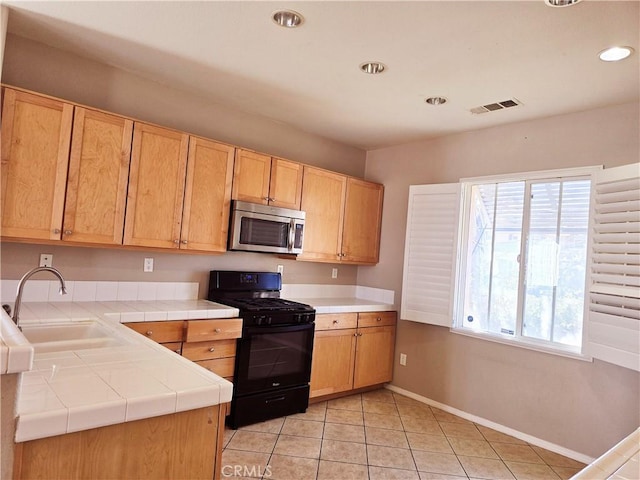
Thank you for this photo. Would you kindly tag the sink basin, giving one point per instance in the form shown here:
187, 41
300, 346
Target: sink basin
69, 336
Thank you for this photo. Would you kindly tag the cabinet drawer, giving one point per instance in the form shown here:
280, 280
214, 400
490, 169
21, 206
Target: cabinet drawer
376, 319
336, 321
209, 350
223, 367
174, 347
161, 332
203, 330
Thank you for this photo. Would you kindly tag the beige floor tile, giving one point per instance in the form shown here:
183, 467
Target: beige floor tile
302, 428
380, 456
337, 451
516, 453
298, 446
531, 471
253, 441
488, 468
439, 476
495, 436
565, 473
461, 430
437, 463
341, 471
381, 408
346, 433
315, 412
236, 463
382, 395
420, 425
348, 417
557, 460
382, 421
383, 473
472, 448
416, 411
353, 402
282, 467
428, 443
386, 437
443, 416
270, 426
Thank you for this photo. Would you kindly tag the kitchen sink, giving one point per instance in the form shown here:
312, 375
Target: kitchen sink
70, 336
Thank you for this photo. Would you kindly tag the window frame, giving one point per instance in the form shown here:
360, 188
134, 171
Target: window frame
581, 173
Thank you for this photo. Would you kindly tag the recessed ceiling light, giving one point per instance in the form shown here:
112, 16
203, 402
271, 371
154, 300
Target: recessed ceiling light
372, 67
287, 18
436, 100
561, 3
614, 54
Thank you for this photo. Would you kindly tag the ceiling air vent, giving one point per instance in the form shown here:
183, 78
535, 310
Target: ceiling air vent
492, 107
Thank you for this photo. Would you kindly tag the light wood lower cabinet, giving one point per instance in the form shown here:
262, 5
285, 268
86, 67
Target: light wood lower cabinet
182, 445
209, 343
352, 350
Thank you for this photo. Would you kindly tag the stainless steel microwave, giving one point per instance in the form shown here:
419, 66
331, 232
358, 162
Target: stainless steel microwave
261, 228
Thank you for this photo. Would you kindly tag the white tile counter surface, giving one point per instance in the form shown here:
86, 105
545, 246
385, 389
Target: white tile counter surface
77, 390
340, 298
16, 353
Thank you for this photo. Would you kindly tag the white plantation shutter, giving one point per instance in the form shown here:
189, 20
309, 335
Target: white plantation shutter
430, 254
613, 330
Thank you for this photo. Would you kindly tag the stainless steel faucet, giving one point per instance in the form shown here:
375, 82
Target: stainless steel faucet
23, 280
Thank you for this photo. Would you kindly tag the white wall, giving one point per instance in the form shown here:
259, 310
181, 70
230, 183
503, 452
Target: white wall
586, 407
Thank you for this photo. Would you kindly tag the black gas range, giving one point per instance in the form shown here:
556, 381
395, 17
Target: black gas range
273, 356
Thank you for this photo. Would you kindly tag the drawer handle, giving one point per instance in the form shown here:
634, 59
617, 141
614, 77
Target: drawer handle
217, 330
212, 349
149, 333
378, 319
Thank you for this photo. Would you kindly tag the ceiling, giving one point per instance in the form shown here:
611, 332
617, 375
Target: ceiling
473, 53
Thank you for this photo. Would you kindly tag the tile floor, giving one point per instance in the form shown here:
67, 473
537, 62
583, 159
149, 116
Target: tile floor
383, 435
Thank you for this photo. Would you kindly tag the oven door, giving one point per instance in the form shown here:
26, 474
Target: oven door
269, 358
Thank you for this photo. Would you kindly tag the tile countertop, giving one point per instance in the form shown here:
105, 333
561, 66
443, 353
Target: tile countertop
75, 390
16, 353
345, 305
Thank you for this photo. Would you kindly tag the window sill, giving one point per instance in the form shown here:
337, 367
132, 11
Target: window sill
522, 344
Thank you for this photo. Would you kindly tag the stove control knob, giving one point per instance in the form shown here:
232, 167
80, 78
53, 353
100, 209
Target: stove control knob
259, 320
268, 320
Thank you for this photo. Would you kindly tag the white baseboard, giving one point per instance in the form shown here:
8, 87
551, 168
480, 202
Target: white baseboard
538, 442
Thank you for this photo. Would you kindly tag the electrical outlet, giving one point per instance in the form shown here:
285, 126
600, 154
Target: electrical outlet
148, 264
403, 359
280, 269
334, 273
46, 259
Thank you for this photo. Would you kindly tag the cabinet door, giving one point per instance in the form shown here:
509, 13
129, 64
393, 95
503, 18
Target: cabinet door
207, 197
374, 356
251, 177
36, 135
362, 219
323, 195
98, 175
285, 188
332, 361
156, 187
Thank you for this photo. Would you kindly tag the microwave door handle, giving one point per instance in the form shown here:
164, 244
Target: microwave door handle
292, 232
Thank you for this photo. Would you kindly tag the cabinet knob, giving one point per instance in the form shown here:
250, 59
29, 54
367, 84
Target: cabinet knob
148, 333
68, 232
212, 349
56, 230
360, 334
378, 319
335, 322
176, 241
177, 350
266, 198
184, 242
217, 330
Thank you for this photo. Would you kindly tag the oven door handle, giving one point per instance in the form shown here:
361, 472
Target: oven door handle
292, 233
275, 399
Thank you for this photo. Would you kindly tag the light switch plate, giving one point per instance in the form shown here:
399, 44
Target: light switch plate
403, 359
334, 273
280, 269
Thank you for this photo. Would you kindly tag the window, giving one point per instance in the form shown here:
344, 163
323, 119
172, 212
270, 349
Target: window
524, 260
510, 264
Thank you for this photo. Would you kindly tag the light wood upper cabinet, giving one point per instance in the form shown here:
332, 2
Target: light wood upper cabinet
156, 187
36, 136
207, 198
362, 222
323, 196
262, 179
343, 218
98, 175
